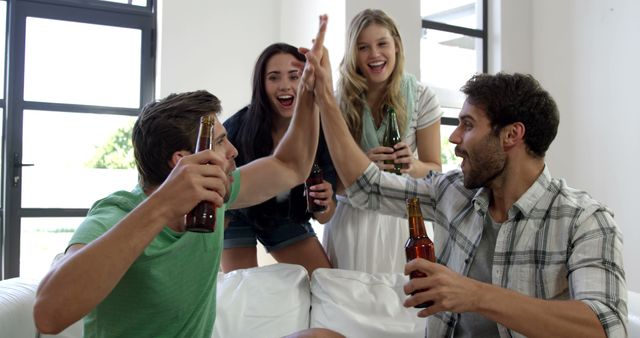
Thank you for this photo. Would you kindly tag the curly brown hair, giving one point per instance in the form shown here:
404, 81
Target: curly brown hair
509, 98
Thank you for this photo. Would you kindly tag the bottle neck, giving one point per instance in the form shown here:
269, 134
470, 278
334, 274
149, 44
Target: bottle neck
416, 227
205, 137
416, 222
393, 119
316, 172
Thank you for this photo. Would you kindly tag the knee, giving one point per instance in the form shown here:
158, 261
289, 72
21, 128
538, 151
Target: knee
316, 333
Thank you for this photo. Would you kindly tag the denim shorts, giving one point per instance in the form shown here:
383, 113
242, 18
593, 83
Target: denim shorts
241, 234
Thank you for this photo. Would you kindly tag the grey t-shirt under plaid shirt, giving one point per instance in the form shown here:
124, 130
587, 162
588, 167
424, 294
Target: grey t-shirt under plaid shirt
557, 242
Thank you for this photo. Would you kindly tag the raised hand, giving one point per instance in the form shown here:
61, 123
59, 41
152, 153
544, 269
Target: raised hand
307, 80
318, 63
318, 43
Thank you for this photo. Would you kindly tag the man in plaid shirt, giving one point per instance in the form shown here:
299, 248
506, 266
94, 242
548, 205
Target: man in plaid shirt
519, 252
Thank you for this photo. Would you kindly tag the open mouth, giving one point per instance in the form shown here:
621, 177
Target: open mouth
377, 67
286, 100
462, 154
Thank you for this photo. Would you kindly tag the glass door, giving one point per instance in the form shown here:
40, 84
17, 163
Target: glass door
80, 77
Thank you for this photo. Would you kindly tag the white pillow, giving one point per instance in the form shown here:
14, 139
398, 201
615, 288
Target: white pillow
268, 301
633, 301
17, 296
359, 304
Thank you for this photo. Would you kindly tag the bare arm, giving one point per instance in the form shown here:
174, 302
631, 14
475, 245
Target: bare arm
527, 315
569, 318
292, 159
100, 265
348, 159
291, 162
428, 145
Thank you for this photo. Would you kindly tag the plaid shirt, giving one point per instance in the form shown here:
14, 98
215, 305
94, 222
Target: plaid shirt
557, 242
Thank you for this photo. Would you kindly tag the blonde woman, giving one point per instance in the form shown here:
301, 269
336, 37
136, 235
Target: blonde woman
372, 78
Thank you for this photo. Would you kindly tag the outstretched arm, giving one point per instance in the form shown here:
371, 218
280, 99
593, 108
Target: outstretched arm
349, 161
595, 279
428, 146
100, 265
292, 159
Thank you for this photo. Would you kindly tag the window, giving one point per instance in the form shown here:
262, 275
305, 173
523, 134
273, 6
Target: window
80, 72
453, 48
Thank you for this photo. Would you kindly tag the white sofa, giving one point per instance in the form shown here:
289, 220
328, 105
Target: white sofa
270, 301
277, 300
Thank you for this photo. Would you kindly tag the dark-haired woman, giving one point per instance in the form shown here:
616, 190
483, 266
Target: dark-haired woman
281, 224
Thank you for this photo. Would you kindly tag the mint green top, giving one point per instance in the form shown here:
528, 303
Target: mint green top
371, 136
170, 290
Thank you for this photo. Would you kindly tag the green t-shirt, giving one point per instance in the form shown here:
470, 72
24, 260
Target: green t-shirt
170, 290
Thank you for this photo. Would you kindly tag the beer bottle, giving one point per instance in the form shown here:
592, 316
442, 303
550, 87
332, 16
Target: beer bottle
392, 137
203, 217
418, 245
314, 178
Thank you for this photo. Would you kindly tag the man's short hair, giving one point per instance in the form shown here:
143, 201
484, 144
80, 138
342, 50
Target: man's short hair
509, 98
166, 126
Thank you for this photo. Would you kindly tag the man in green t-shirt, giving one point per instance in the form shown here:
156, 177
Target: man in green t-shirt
130, 269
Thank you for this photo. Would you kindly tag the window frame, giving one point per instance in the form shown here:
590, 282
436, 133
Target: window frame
482, 34
14, 105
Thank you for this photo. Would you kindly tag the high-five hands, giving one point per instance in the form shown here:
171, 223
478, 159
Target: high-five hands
317, 51
319, 68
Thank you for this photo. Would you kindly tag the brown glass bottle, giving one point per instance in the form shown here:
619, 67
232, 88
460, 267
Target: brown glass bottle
418, 245
203, 217
314, 178
391, 138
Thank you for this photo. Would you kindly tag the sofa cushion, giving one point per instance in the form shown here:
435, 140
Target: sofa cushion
359, 304
17, 296
268, 301
16, 307
634, 313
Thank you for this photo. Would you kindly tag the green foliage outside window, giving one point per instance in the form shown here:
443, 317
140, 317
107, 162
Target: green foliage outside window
447, 153
116, 152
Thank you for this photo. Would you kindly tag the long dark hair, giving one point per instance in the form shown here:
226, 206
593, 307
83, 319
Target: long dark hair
255, 132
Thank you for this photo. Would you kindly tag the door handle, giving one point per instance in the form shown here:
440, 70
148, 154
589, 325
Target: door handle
18, 164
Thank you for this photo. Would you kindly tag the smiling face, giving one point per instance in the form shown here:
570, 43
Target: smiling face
281, 83
483, 157
376, 54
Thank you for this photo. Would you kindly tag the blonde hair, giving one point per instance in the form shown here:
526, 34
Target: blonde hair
352, 85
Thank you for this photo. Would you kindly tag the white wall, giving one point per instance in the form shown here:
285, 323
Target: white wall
585, 52
213, 45
406, 14
510, 34
299, 24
